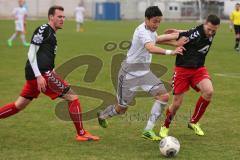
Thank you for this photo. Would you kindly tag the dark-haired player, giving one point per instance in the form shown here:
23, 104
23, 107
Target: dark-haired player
40, 76
135, 72
191, 72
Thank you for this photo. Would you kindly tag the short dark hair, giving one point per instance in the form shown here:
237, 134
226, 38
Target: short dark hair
152, 11
215, 20
52, 9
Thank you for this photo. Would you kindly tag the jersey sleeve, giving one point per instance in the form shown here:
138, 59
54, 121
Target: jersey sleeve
191, 34
144, 37
39, 35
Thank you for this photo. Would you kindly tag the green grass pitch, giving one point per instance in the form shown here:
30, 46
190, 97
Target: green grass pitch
37, 133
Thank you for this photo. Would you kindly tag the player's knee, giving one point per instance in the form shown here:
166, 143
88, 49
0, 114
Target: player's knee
176, 104
20, 105
121, 109
164, 97
208, 94
70, 97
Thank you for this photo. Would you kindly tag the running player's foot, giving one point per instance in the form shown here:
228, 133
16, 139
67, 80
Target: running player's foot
81, 30
149, 134
9, 42
90, 136
26, 44
102, 122
196, 128
87, 137
163, 132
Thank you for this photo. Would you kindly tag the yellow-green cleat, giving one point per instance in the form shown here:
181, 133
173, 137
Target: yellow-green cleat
150, 135
102, 122
26, 44
163, 132
196, 128
9, 42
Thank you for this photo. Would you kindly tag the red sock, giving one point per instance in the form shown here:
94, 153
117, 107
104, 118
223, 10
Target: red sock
8, 110
199, 109
76, 116
169, 118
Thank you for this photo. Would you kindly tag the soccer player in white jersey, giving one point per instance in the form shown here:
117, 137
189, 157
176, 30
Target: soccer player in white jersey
135, 72
20, 14
79, 15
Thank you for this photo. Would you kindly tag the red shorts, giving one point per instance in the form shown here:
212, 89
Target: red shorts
56, 87
183, 78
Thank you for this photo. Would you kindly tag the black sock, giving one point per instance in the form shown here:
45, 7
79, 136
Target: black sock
237, 43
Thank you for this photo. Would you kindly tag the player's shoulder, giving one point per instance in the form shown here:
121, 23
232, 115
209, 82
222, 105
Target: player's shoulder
40, 33
141, 28
42, 28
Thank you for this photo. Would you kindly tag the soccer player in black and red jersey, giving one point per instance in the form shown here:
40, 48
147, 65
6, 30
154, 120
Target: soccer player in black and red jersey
41, 77
190, 71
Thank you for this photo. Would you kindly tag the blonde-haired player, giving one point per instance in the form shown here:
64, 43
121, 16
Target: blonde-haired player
20, 14
79, 15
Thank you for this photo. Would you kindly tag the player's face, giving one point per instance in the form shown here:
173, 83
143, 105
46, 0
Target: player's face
58, 19
237, 7
210, 29
21, 2
153, 23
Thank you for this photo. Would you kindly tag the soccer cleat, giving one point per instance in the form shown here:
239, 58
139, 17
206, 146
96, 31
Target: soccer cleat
87, 137
149, 134
26, 44
196, 127
81, 138
163, 132
9, 42
81, 30
90, 136
102, 122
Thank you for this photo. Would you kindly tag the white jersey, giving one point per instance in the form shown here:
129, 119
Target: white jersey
19, 13
138, 53
79, 13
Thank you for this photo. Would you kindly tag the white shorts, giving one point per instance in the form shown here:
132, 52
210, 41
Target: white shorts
19, 26
127, 88
79, 20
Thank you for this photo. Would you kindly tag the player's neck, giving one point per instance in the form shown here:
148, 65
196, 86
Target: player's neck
52, 26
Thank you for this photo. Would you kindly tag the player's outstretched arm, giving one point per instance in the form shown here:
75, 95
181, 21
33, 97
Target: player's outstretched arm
171, 39
152, 48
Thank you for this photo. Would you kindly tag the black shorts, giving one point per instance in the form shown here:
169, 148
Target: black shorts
237, 29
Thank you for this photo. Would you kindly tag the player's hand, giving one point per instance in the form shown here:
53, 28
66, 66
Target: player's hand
183, 40
41, 82
170, 31
178, 50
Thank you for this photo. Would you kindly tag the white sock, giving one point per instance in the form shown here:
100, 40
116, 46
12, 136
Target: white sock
156, 111
23, 38
108, 112
13, 37
78, 27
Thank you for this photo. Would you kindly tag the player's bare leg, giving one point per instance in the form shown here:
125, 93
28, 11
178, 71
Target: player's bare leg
12, 38
13, 108
237, 42
76, 116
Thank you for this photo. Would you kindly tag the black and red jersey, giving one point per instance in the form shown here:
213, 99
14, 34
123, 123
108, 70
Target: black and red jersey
196, 49
45, 37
